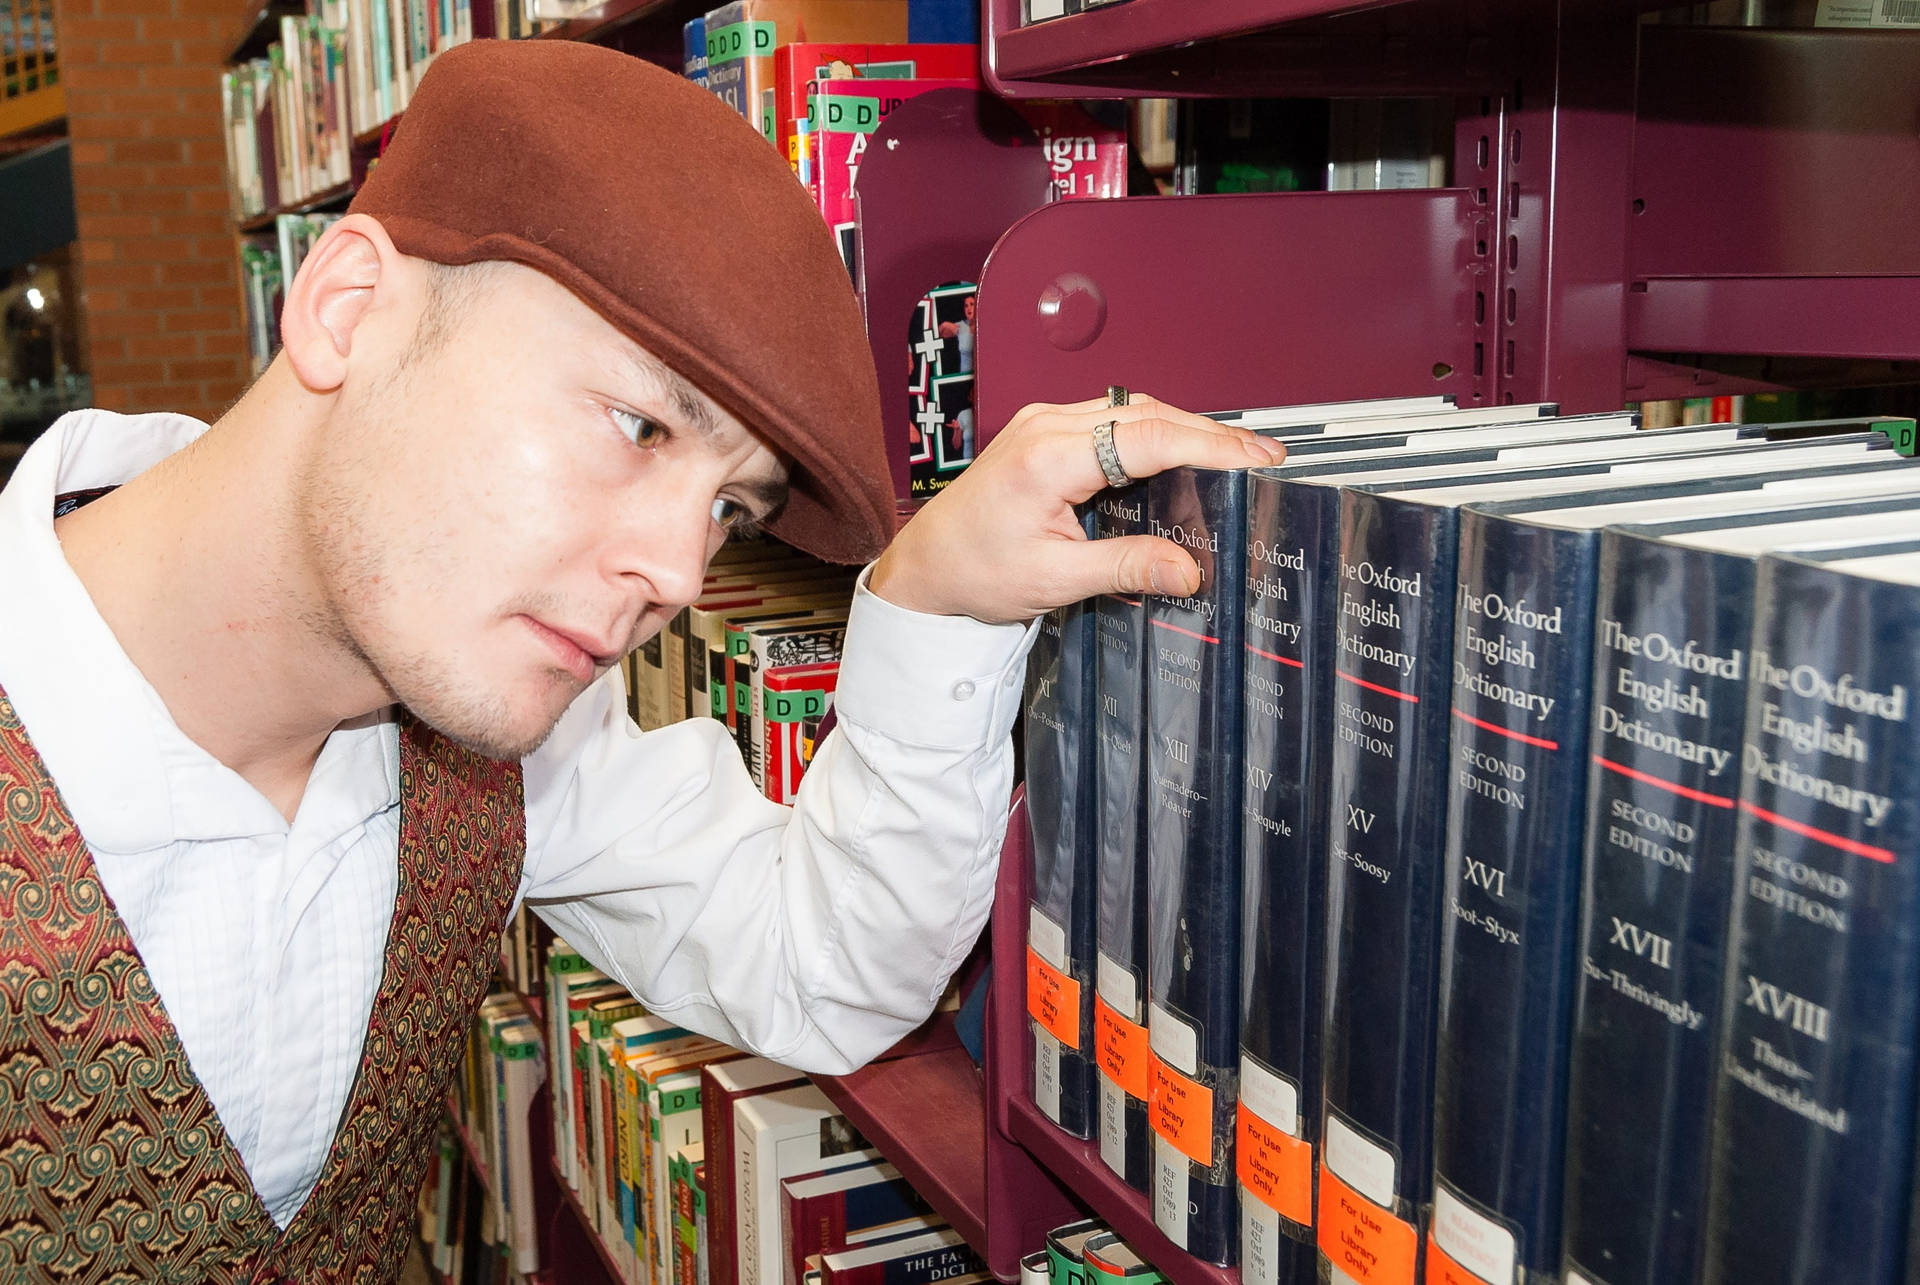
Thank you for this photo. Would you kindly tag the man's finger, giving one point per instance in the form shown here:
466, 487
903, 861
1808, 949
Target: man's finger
1133, 564
1154, 444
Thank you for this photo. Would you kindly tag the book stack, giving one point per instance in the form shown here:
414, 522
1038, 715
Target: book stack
695, 1164
759, 650
1411, 876
502, 1072
343, 68
460, 1239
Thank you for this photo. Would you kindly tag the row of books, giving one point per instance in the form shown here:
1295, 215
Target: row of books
462, 1242
267, 263
696, 1164
491, 1098
818, 77
759, 650
1499, 864
343, 68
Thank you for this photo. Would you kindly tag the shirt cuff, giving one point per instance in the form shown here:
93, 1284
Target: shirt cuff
938, 682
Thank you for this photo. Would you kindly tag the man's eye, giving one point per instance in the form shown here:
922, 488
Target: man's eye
728, 514
640, 430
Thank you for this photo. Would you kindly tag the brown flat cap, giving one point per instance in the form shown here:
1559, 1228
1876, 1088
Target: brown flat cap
670, 216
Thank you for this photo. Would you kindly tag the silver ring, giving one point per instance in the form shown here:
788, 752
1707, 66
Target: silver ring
1116, 396
1103, 450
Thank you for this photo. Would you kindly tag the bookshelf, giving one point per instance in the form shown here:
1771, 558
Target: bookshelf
1637, 212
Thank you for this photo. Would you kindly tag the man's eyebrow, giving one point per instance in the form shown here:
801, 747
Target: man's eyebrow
692, 409
770, 492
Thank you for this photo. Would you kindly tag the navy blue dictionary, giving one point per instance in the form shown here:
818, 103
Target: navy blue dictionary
1813, 1138
1672, 625
1120, 1020
1194, 767
1060, 762
1288, 694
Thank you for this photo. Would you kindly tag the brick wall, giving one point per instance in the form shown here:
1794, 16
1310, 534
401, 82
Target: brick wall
157, 261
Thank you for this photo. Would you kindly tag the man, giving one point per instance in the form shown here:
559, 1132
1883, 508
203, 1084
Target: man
294, 709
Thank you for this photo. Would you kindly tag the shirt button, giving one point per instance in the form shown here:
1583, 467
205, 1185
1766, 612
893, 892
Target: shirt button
963, 690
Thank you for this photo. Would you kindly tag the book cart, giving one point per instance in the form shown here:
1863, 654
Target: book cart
1636, 212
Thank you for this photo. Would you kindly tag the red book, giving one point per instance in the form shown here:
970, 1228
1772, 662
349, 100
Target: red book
798, 65
721, 1085
793, 701
824, 1212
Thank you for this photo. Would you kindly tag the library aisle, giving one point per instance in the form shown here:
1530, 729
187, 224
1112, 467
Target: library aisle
487, 811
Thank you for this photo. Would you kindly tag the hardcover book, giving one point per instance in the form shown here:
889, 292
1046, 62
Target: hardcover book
1194, 730
1814, 1115
1059, 702
743, 35
722, 1086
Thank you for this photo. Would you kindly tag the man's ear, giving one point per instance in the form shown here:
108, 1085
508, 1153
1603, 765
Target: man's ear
352, 270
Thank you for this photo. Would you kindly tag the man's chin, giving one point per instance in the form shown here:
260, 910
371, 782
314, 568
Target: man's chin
492, 730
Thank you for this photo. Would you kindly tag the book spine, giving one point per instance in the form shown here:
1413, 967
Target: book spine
1522, 682
1813, 1132
1058, 708
1120, 1010
1392, 667
1288, 693
716, 1127
1669, 703
1194, 769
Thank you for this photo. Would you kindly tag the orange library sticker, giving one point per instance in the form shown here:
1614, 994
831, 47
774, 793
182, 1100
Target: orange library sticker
1442, 1270
1276, 1167
1121, 1047
1181, 1111
1054, 999
1362, 1239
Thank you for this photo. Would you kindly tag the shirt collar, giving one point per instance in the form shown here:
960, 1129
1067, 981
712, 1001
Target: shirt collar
130, 777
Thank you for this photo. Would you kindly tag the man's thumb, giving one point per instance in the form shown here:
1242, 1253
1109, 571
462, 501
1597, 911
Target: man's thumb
1148, 564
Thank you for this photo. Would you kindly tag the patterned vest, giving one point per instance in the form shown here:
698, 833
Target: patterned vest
113, 1165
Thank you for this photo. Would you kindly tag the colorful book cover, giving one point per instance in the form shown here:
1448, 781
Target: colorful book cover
693, 55
941, 435
793, 701
743, 35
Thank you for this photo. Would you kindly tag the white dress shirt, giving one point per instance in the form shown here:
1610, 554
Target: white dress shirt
815, 935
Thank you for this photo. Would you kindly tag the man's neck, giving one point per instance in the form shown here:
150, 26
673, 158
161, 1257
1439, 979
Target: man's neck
197, 566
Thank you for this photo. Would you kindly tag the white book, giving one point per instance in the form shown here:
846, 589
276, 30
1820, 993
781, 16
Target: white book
775, 1136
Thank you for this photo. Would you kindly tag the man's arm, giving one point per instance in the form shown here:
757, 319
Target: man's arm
816, 935
820, 934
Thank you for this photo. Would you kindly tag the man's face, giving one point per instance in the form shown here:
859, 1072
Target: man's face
498, 517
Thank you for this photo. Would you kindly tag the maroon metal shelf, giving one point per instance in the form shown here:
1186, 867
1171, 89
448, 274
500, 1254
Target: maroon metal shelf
565, 1240
1221, 301
926, 1115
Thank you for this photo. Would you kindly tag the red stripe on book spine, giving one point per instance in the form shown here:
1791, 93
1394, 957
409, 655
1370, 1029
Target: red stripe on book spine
1698, 796
1827, 837
1510, 734
1408, 697
1161, 624
1270, 656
